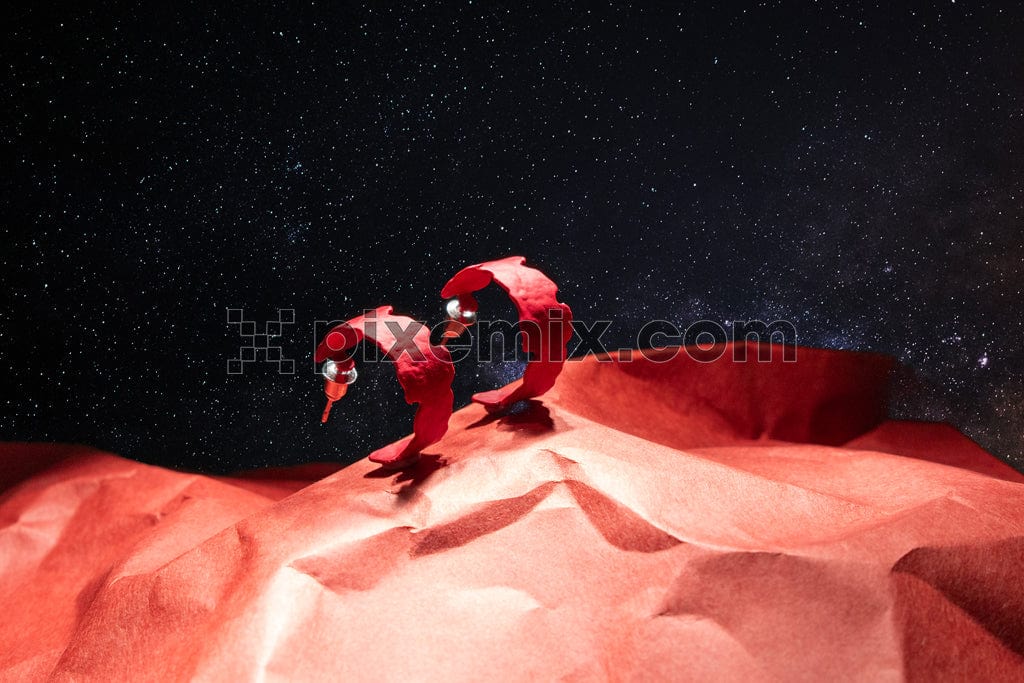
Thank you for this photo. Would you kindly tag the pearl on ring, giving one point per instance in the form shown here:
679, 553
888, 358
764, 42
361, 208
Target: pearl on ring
456, 313
330, 372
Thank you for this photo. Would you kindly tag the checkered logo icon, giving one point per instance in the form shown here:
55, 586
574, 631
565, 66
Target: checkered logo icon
258, 346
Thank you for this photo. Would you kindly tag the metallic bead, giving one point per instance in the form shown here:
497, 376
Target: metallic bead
330, 372
456, 313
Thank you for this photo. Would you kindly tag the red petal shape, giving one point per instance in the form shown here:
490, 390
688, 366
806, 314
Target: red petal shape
425, 372
545, 322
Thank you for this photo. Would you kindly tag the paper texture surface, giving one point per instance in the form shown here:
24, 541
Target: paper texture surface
657, 521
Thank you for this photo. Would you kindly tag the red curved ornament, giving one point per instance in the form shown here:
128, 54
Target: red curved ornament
545, 322
425, 372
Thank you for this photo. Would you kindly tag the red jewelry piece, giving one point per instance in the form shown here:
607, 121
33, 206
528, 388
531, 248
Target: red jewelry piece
425, 372
545, 322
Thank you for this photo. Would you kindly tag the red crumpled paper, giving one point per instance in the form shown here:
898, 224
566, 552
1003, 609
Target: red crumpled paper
678, 520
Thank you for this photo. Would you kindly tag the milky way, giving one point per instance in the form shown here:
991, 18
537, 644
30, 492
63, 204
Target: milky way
857, 172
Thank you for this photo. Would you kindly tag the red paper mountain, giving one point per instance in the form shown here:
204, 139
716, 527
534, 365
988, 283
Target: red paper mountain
645, 520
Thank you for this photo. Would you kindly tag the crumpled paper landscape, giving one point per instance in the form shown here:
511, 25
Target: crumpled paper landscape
671, 520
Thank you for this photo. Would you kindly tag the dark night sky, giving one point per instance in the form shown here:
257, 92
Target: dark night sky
857, 171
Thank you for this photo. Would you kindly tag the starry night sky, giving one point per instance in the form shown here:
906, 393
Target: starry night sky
857, 171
